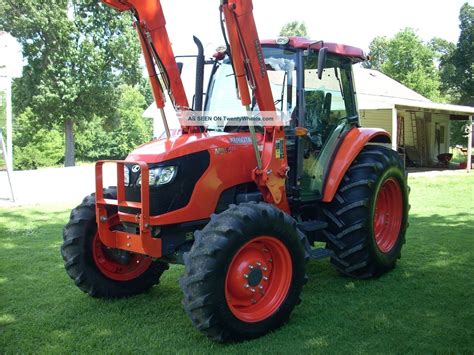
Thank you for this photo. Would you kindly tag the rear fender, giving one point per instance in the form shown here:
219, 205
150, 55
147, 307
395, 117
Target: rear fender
351, 145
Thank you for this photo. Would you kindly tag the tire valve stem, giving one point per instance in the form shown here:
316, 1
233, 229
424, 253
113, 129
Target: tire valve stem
270, 260
254, 301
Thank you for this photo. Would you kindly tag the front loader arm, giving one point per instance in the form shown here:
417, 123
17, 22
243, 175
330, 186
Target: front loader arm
250, 71
157, 50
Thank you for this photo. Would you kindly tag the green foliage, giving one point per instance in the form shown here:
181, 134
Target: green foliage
408, 60
117, 136
294, 28
132, 129
377, 53
457, 132
35, 148
100, 137
77, 53
444, 51
460, 67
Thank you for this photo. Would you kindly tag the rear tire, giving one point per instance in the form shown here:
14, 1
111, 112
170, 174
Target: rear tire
244, 273
97, 270
368, 217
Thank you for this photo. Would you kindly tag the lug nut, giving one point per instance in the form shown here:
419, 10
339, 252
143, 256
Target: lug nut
260, 287
259, 263
264, 268
252, 289
251, 267
246, 276
265, 278
247, 286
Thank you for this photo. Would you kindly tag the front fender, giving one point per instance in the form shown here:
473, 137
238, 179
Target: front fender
351, 145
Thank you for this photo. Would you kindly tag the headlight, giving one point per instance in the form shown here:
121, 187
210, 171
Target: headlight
166, 174
160, 176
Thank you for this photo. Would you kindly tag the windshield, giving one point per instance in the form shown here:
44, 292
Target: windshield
222, 92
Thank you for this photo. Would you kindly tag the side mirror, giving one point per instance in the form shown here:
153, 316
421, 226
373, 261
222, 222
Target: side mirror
322, 61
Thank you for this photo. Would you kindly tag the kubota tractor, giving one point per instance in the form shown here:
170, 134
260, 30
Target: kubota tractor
242, 206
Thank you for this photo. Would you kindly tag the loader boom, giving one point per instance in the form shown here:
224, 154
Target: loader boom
250, 71
157, 51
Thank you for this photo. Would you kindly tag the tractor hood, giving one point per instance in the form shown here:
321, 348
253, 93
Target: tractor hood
165, 149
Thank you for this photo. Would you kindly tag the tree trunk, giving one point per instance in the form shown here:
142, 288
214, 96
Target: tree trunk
69, 152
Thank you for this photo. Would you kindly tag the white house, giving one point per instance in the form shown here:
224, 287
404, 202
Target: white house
418, 126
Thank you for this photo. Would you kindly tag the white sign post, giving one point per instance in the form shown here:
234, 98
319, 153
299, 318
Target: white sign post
7, 159
11, 65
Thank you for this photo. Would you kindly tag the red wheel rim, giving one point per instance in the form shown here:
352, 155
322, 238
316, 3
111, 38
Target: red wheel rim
388, 215
113, 269
258, 279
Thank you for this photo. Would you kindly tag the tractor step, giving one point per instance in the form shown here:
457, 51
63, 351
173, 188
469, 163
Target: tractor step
320, 253
312, 226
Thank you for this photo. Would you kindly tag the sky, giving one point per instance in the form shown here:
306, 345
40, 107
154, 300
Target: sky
354, 23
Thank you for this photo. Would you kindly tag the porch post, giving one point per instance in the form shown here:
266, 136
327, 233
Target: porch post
469, 146
394, 128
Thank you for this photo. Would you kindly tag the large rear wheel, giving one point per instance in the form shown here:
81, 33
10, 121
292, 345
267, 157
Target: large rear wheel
98, 270
368, 217
244, 273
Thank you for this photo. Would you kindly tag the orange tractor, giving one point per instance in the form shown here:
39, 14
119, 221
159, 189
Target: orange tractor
243, 206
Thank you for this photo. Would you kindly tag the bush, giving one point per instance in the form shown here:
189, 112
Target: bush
46, 148
33, 147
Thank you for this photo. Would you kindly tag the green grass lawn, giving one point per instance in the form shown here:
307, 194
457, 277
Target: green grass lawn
425, 305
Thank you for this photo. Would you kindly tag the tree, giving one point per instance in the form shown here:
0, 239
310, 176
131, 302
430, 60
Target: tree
378, 53
444, 51
463, 57
294, 28
118, 135
407, 59
78, 52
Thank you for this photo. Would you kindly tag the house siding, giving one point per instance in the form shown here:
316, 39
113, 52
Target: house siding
377, 119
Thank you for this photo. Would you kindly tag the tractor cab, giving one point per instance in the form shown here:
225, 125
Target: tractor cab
312, 85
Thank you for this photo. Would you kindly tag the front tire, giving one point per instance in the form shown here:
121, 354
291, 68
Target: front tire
368, 217
244, 273
100, 271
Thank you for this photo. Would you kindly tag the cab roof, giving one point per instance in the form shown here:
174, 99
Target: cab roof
356, 54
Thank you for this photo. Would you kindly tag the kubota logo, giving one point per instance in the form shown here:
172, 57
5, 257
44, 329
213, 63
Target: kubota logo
136, 168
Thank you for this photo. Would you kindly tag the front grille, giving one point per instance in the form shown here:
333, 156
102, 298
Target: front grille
176, 194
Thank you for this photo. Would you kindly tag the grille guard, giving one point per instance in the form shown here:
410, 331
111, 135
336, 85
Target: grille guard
142, 243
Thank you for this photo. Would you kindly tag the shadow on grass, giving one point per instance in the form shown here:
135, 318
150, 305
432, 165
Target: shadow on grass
421, 306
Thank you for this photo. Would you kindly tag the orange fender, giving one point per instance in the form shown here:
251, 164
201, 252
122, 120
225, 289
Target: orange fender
351, 145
